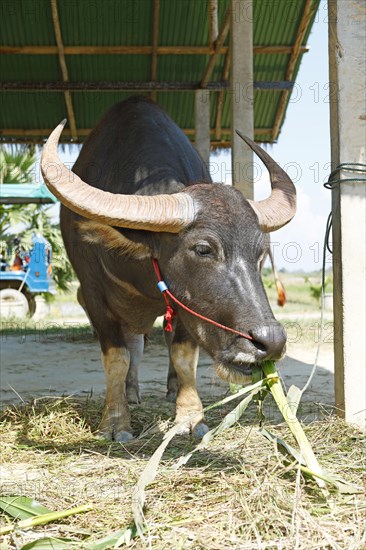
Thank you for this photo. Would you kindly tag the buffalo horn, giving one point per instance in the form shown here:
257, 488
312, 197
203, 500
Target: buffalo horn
280, 207
169, 213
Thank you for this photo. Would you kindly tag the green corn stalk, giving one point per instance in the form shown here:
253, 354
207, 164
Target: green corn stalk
279, 396
44, 519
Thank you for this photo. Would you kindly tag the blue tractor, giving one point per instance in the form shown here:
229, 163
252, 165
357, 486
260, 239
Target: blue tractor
28, 274
25, 272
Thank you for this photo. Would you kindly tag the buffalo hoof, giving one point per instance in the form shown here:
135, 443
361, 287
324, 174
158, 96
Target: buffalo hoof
123, 437
184, 429
171, 396
108, 434
103, 434
200, 430
133, 395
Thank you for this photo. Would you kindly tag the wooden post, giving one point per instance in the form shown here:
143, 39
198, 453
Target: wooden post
213, 22
202, 123
347, 30
242, 117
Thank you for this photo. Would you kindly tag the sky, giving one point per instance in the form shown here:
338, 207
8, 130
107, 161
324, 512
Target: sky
303, 150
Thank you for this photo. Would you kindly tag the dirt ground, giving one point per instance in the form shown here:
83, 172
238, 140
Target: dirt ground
48, 364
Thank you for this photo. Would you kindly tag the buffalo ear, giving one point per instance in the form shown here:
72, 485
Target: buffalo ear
113, 239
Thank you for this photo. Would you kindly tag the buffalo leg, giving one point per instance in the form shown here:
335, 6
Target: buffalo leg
135, 345
184, 359
115, 423
172, 380
172, 383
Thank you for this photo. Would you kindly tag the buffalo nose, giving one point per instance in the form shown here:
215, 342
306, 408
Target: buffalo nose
270, 340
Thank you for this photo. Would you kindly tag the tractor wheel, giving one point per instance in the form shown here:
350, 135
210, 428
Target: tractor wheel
13, 304
31, 302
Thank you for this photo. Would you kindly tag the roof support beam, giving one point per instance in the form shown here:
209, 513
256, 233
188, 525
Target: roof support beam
219, 43
138, 50
226, 144
304, 23
154, 53
64, 71
221, 96
242, 97
86, 131
202, 124
45, 132
347, 29
214, 86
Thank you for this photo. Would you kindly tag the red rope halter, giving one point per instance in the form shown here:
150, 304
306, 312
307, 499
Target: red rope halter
170, 313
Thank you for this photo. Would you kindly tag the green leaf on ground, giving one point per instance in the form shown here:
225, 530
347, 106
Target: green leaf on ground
38, 518
20, 507
114, 540
50, 543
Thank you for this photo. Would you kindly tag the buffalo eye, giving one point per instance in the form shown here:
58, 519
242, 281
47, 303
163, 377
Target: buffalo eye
203, 250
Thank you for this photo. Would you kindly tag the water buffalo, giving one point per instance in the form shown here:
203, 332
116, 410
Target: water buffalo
149, 195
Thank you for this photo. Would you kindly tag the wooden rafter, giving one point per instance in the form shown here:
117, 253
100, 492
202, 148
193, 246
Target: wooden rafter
137, 86
63, 66
277, 49
296, 50
82, 132
218, 46
224, 143
154, 53
221, 96
138, 50
44, 132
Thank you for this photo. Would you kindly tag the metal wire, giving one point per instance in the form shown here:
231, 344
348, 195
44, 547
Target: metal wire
347, 167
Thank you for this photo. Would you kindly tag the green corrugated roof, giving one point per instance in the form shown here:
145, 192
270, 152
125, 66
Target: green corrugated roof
30, 115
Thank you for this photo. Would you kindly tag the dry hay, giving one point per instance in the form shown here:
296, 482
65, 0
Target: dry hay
239, 493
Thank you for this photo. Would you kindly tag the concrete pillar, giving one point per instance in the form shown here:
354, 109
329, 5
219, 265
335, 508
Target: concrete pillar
241, 84
202, 122
347, 31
